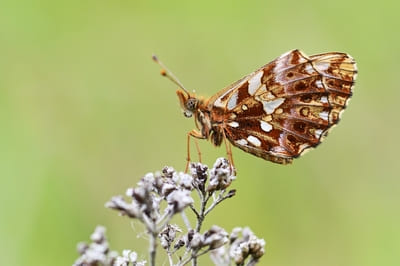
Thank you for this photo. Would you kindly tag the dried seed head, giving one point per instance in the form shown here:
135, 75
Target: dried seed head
200, 174
189, 237
118, 203
168, 234
168, 171
95, 253
128, 258
221, 175
167, 188
197, 241
220, 256
178, 200
246, 246
98, 235
82, 247
180, 243
235, 234
215, 237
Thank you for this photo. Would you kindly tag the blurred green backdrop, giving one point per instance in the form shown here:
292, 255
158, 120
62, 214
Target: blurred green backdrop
84, 114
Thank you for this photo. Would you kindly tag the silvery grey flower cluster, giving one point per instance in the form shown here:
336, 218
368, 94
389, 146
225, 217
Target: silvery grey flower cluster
247, 246
160, 196
98, 252
241, 248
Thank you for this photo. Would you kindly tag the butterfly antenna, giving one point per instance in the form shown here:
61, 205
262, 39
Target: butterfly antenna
166, 73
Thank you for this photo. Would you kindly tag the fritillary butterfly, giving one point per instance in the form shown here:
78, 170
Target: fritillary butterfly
277, 112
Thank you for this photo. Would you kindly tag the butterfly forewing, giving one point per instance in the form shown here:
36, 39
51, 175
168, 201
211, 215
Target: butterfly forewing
286, 106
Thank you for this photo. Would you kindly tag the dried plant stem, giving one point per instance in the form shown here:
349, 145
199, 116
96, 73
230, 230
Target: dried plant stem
153, 248
194, 256
171, 262
202, 214
200, 218
252, 262
220, 198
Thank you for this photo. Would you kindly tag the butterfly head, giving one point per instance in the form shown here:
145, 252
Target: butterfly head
189, 103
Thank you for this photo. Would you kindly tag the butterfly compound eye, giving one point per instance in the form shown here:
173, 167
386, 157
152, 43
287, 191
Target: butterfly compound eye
191, 104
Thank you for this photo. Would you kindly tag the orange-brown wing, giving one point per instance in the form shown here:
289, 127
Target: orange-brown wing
286, 106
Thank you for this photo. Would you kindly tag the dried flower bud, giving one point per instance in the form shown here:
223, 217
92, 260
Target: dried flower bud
178, 200
168, 234
256, 247
158, 182
247, 246
118, 203
231, 193
96, 252
196, 242
128, 258
199, 173
221, 175
98, 235
146, 201
168, 171
82, 247
235, 234
180, 243
215, 237
129, 192
185, 181
189, 237
147, 180
121, 261
99, 248
141, 195
219, 256
167, 188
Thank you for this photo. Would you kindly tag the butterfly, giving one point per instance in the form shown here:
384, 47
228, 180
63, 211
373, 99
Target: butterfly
279, 111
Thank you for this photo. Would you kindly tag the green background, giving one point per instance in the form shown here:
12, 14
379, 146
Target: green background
84, 114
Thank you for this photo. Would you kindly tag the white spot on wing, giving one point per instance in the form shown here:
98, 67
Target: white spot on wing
324, 99
319, 84
242, 142
323, 66
255, 82
309, 69
218, 102
233, 101
255, 141
234, 124
318, 133
267, 127
324, 115
270, 106
303, 57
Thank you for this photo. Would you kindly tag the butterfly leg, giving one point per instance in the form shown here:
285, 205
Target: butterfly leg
229, 152
196, 135
198, 149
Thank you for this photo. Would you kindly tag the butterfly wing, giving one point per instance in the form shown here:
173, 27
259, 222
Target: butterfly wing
287, 106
